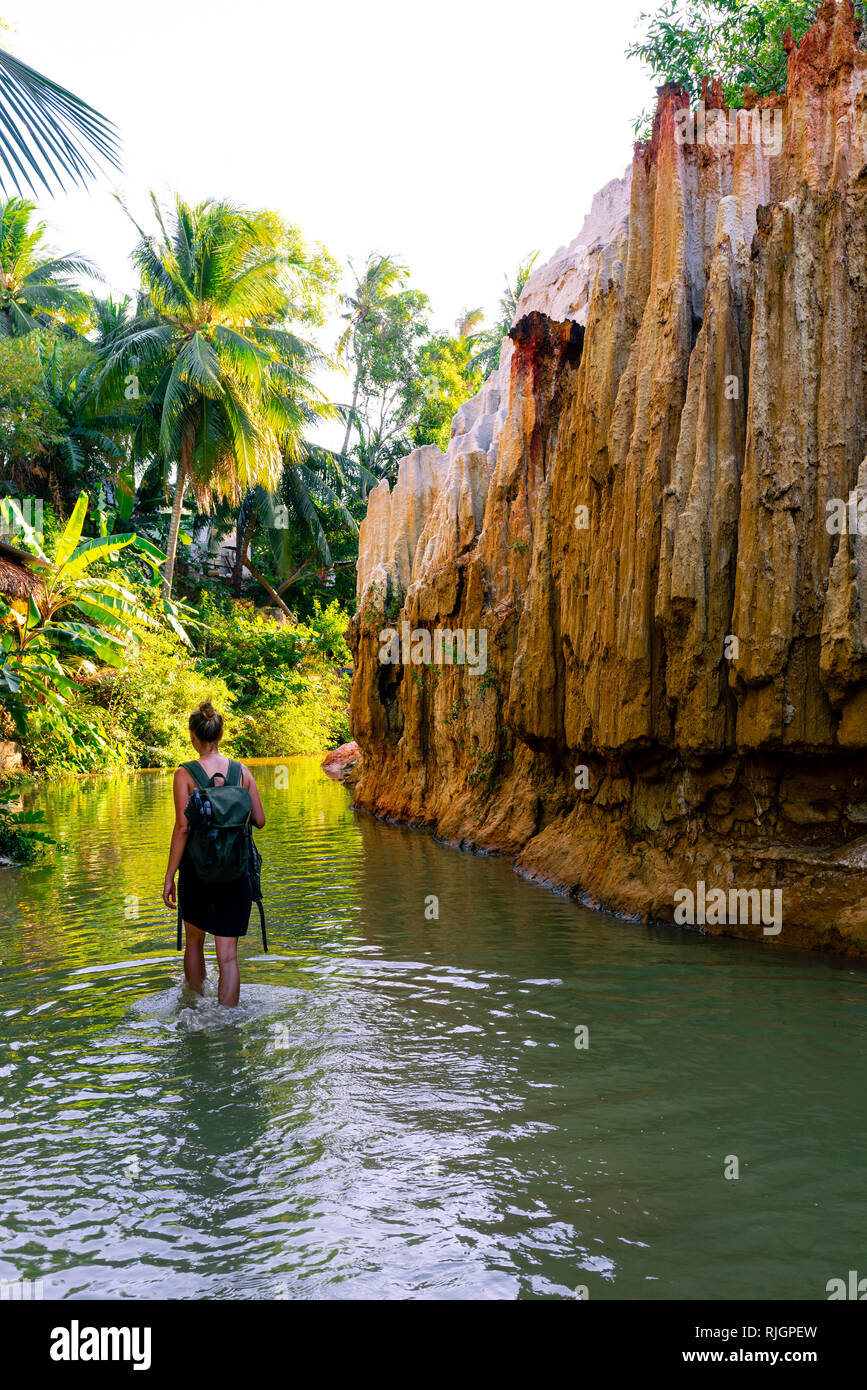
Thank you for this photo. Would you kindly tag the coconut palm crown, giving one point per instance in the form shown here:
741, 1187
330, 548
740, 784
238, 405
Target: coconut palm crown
226, 386
37, 287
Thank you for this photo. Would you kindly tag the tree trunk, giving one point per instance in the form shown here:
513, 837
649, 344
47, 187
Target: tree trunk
174, 528
187, 441
352, 412
260, 579
294, 577
308, 564
242, 545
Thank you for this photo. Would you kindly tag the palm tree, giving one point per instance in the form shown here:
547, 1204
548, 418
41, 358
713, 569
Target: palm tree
228, 390
45, 130
486, 358
380, 277
37, 288
92, 442
323, 485
313, 500
468, 321
107, 317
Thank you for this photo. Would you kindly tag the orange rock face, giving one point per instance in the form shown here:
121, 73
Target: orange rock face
663, 548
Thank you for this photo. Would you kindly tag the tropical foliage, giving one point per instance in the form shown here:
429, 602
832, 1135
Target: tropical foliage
144, 704
279, 687
38, 287
227, 387
78, 609
89, 607
488, 343
170, 442
47, 133
738, 41
53, 436
21, 833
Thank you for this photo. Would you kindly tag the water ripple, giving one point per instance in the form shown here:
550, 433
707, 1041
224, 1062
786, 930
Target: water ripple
398, 1108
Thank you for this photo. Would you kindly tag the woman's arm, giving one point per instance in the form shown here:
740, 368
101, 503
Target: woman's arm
181, 791
250, 784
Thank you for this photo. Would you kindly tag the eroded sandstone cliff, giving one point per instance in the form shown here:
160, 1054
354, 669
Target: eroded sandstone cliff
638, 511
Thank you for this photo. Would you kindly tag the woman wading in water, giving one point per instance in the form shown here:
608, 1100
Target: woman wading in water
223, 909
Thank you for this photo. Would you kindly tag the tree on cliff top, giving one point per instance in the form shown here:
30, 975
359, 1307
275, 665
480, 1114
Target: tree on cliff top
408, 380
739, 41
383, 354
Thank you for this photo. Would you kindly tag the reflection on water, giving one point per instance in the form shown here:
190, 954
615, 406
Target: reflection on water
399, 1108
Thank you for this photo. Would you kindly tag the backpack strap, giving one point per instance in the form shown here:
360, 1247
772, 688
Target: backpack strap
198, 774
234, 775
254, 865
262, 924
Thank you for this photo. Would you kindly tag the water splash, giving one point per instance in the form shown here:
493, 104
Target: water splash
187, 1012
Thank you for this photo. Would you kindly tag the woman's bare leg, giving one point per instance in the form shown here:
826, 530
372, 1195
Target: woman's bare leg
194, 957
230, 975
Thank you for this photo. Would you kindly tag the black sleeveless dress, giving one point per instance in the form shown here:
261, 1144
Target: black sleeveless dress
223, 909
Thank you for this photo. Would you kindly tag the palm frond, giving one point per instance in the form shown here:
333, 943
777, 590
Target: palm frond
45, 131
297, 493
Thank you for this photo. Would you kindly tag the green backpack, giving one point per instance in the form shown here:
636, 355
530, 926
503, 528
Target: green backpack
220, 843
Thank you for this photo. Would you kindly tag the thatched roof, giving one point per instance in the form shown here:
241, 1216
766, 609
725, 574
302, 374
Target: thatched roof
16, 578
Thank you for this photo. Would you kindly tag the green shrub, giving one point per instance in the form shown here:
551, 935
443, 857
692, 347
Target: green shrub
149, 701
251, 649
289, 698
74, 738
309, 718
277, 686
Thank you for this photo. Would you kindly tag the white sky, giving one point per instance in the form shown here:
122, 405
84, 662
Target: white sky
460, 135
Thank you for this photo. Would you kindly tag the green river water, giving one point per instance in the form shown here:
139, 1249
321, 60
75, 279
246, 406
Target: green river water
398, 1108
